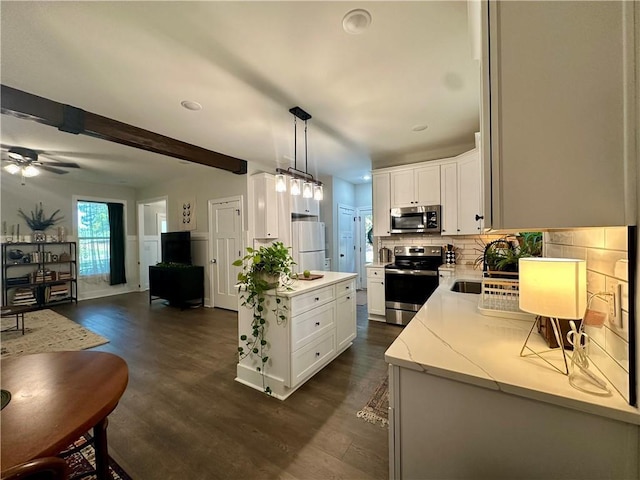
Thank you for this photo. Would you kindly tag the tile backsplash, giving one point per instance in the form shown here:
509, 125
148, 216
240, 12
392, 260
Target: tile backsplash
467, 247
606, 253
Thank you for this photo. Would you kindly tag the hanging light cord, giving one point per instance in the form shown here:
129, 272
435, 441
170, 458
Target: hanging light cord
295, 143
306, 157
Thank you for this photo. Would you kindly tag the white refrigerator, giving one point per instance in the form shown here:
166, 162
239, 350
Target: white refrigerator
308, 245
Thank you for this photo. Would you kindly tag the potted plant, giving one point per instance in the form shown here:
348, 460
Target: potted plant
500, 257
263, 269
38, 222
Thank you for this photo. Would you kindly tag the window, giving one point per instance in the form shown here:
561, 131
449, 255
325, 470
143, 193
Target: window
93, 239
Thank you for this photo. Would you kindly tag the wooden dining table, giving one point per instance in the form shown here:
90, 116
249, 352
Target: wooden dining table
55, 398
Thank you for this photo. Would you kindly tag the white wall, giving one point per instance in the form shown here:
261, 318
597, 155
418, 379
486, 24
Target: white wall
364, 195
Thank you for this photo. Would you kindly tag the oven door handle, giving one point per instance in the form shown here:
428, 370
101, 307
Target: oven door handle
429, 273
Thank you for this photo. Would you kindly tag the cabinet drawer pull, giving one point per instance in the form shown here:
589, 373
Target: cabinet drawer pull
317, 324
348, 297
317, 299
317, 354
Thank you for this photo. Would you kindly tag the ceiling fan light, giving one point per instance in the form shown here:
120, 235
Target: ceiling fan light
12, 168
307, 190
295, 186
281, 183
30, 171
317, 192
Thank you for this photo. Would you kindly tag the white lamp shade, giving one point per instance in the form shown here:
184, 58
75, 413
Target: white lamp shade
281, 183
307, 190
30, 171
296, 186
318, 193
553, 287
12, 168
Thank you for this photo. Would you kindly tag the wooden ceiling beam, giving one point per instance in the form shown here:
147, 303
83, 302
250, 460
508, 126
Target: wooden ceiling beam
74, 120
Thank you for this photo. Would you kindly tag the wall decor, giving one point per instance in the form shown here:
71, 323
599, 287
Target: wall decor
187, 214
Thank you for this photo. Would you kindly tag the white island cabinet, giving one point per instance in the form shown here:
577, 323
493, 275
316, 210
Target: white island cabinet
320, 324
464, 404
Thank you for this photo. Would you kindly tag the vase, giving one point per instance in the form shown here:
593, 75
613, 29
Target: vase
272, 279
38, 236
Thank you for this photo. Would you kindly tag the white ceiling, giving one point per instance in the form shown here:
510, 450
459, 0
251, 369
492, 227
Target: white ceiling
247, 63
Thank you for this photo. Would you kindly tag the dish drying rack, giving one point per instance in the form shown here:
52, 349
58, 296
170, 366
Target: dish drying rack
500, 296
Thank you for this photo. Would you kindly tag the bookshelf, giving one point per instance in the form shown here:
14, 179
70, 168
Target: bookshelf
39, 274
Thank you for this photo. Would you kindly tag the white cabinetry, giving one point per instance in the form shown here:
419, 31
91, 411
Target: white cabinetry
461, 195
345, 313
320, 324
381, 190
304, 206
265, 206
415, 186
375, 293
559, 121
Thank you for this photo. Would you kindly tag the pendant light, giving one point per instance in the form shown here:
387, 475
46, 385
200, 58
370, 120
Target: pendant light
300, 183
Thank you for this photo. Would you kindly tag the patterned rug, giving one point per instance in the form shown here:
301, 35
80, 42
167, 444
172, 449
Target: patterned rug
376, 410
80, 456
46, 331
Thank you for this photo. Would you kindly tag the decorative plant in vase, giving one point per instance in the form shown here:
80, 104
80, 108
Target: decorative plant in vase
263, 269
500, 257
38, 222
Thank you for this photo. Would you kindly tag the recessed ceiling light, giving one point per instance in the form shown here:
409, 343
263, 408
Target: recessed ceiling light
366, 178
419, 128
356, 21
191, 105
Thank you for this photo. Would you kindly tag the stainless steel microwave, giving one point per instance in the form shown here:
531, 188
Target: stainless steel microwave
425, 219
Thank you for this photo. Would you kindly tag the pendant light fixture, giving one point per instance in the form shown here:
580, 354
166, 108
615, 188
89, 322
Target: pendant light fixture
300, 182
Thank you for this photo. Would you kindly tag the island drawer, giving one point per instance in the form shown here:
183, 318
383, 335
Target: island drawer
345, 287
375, 272
307, 301
310, 358
312, 324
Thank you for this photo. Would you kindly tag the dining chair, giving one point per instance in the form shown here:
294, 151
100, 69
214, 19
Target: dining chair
45, 468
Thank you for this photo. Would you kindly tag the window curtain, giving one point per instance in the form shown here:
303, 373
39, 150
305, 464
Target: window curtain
117, 247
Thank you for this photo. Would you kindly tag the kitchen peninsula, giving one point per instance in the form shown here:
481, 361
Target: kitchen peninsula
464, 404
320, 324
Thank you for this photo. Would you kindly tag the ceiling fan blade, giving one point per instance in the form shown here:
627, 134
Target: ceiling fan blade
58, 164
52, 169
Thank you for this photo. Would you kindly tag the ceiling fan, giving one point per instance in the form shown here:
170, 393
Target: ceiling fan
24, 161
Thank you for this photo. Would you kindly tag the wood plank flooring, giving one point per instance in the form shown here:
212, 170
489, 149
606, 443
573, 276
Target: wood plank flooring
184, 417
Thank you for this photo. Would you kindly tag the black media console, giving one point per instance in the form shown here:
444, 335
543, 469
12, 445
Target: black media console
181, 285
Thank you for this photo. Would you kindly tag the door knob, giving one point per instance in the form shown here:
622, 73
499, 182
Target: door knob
479, 217
342, 254
213, 260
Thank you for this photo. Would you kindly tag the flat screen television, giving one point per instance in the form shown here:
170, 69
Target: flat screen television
176, 247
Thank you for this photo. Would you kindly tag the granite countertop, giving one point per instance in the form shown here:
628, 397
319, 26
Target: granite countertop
376, 264
450, 338
299, 287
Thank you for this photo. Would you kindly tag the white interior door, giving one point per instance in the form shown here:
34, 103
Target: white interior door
346, 240
225, 231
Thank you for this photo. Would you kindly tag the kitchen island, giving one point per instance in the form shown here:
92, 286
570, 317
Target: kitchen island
464, 404
319, 324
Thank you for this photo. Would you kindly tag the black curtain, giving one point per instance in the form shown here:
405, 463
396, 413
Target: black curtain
116, 229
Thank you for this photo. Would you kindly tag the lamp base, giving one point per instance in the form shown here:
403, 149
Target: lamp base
555, 325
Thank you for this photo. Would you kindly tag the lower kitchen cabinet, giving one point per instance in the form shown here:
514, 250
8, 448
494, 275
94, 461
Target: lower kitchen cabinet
444, 428
375, 293
320, 324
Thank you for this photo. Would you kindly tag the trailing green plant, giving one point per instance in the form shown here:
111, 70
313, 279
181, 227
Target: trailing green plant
37, 219
263, 269
530, 243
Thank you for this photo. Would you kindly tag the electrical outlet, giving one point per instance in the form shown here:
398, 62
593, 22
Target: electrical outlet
615, 305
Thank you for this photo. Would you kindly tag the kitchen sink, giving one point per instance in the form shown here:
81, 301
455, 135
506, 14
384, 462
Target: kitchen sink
465, 286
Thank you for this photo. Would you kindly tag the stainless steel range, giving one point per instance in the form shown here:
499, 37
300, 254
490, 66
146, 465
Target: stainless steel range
410, 281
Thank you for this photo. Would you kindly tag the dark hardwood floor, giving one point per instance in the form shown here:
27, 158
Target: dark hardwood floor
184, 417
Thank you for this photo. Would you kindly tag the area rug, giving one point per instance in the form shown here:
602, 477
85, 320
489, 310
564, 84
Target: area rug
80, 456
46, 331
376, 410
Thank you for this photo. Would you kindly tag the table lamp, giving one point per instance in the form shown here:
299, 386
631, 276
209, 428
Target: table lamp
554, 288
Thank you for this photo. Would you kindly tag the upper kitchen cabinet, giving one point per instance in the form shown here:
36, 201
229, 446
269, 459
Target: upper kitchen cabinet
381, 192
304, 206
558, 113
461, 195
265, 206
415, 186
